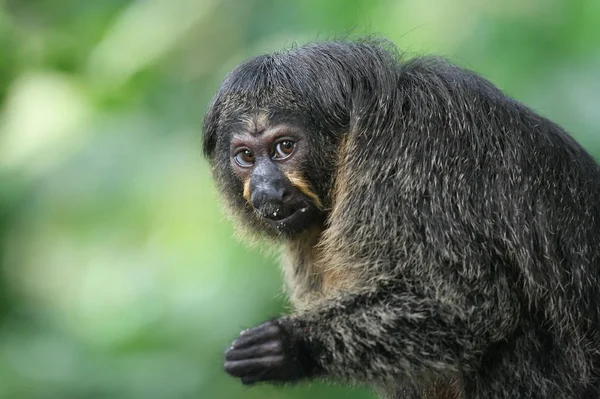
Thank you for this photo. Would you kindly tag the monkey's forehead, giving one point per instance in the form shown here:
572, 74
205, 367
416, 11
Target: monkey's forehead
253, 115
267, 101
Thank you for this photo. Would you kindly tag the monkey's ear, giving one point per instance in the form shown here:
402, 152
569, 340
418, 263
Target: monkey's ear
210, 127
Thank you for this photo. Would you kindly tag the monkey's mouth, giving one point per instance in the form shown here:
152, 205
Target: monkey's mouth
289, 219
275, 214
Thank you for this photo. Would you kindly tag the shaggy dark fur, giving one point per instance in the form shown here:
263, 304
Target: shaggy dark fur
458, 254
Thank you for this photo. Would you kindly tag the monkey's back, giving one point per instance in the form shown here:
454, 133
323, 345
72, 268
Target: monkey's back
453, 184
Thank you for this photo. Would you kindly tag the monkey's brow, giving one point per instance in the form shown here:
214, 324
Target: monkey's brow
265, 133
255, 124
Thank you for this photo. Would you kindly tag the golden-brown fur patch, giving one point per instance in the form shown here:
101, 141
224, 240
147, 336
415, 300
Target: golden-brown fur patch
335, 280
341, 179
247, 191
307, 277
337, 276
301, 184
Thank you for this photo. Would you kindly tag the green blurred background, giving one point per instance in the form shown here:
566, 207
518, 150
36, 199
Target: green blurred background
120, 277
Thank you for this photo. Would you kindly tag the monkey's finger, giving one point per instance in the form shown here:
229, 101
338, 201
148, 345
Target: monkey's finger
265, 326
242, 368
269, 348
257, 335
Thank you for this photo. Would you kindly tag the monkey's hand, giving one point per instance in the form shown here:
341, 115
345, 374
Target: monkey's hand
268, 353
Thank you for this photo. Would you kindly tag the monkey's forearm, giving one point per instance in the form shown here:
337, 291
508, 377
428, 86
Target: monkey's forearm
380, 335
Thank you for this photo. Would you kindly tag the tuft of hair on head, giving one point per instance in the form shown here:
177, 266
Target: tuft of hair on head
342, 79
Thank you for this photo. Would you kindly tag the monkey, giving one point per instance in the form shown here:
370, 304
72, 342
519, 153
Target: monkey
439, 239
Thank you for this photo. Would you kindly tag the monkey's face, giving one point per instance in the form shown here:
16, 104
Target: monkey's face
272, 135
265, 172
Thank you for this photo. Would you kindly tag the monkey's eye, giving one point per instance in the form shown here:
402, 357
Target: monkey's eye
244, 158
283, 149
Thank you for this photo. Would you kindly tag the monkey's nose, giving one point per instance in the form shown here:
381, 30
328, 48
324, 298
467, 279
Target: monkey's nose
268, 195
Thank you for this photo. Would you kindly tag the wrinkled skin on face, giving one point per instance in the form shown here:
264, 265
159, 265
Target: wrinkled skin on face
274, 173
267, 161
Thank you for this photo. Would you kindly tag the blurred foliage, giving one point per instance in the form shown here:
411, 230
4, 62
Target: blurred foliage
120, 277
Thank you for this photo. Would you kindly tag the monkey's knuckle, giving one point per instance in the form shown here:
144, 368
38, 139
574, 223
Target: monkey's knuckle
275, 346
273, 329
